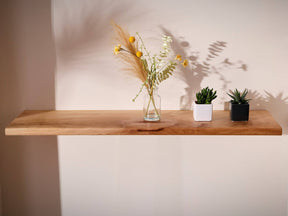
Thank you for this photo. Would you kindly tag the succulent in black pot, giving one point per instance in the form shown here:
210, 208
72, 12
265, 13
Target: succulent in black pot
239, 105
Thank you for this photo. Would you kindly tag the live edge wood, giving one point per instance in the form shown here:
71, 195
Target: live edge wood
129, 122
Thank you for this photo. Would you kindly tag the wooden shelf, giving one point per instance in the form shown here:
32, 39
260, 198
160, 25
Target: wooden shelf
129, 122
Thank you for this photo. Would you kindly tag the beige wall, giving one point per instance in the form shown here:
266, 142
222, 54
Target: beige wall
29, 166
173, 175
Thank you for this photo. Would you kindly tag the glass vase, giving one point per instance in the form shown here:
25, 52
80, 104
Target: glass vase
152, 105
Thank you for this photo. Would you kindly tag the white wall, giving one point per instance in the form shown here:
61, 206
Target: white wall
173, 175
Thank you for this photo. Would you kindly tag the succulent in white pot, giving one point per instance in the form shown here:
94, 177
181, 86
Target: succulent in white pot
203, 107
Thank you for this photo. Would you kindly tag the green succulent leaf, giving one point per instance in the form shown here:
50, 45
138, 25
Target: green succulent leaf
206, 96
238, 97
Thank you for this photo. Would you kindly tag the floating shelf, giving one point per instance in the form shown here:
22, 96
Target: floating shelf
129, 122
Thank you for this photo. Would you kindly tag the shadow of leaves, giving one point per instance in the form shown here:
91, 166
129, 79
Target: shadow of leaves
277, 105
194, 74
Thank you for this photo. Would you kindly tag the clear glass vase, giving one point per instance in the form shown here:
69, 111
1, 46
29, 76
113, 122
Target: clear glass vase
152, 105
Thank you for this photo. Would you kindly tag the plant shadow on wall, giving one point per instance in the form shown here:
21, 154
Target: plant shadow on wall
196, 72
81, 31
277, 105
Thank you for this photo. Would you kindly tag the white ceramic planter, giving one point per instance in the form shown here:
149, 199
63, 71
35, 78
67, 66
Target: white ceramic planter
202, 112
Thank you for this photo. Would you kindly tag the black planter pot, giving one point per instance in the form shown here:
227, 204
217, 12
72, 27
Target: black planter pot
239, 112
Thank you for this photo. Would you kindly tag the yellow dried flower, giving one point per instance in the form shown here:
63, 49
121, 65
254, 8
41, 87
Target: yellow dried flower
117, 49
139, 54
178, 57
131, 39
185, 63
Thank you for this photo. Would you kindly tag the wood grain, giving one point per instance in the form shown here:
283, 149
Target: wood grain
129, 122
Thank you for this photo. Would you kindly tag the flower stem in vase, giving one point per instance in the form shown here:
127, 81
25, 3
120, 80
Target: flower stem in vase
152, 115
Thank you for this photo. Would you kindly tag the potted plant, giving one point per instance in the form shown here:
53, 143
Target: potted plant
203, 107
239, 105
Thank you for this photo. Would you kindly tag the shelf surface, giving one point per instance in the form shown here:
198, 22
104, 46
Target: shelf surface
129, 122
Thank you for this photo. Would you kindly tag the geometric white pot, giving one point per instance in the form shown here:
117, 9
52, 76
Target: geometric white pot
202, 112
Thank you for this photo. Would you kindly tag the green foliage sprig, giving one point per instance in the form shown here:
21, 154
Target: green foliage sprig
206, 96
238, 97
166, 73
